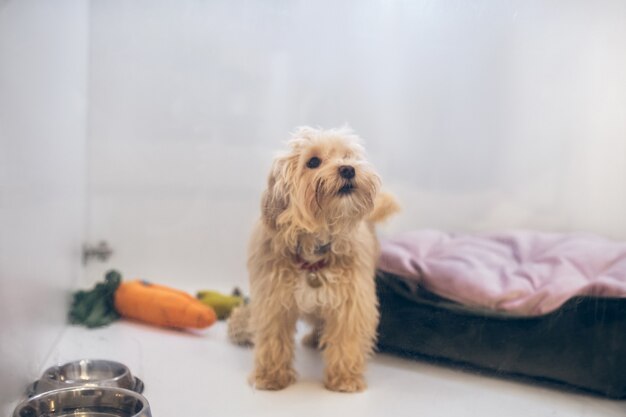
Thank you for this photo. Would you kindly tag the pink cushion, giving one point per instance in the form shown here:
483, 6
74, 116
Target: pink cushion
521, 272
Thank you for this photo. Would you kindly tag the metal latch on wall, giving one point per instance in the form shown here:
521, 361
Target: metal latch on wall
100, 252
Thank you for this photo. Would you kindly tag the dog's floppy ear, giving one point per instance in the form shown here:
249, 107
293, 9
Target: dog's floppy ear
275, 198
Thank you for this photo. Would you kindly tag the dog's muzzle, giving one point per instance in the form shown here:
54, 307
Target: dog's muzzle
346, 189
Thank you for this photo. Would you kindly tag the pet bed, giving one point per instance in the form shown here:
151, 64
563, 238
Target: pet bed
549, 307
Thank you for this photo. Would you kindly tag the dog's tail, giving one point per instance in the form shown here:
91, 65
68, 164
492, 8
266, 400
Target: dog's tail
239, 328
385, 205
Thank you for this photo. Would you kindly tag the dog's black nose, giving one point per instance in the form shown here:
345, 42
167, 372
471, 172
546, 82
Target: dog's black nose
346, 171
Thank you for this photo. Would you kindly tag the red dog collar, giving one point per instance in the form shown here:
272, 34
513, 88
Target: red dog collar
311, 267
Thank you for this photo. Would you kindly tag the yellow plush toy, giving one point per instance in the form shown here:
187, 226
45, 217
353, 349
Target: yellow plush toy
221, 303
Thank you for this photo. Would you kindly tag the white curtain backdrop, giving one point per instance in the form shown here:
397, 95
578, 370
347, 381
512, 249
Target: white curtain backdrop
480, 115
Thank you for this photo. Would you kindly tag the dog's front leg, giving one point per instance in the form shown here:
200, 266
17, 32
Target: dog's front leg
274, 317
348, 339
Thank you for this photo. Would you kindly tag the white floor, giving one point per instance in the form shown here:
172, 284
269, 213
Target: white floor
202, 374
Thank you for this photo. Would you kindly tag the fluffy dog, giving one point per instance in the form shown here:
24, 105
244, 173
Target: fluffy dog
313, 256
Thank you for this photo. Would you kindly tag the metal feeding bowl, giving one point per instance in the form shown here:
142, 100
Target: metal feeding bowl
85, 402
86, 373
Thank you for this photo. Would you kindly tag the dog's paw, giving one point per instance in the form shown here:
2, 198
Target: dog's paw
345, 383
272, 381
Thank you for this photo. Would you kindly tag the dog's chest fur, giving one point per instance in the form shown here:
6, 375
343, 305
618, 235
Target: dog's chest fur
312, 300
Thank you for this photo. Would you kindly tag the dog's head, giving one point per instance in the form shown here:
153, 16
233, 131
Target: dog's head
323, 181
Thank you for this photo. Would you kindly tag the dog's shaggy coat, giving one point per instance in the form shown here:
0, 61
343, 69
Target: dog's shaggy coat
313, 256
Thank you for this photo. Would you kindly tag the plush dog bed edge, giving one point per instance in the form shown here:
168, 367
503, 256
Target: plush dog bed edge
581, 345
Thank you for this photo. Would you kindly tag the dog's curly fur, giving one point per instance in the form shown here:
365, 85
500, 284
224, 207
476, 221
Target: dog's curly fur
313, 214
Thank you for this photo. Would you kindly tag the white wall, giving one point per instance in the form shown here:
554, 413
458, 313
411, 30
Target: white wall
43, 77
480, 115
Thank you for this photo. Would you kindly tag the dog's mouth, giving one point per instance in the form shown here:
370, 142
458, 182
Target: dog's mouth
346, 189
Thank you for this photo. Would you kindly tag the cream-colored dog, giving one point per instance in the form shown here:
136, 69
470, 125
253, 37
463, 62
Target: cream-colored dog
313, 256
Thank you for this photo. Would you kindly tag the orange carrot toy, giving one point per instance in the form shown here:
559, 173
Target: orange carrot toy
162, 306
139, 300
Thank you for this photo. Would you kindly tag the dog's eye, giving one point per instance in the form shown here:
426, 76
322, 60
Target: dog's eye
314, 162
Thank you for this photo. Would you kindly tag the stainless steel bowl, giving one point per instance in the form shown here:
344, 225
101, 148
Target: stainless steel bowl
86, 372
85, 402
